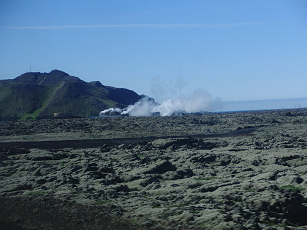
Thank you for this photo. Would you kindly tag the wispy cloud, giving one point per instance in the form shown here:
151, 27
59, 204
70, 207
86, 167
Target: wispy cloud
192, 25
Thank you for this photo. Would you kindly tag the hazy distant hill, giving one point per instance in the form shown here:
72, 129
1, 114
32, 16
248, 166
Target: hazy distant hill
40, 95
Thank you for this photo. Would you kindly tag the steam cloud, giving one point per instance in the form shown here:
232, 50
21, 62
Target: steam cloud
199, 101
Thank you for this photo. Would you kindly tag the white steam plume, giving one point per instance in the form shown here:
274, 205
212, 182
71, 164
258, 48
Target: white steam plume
199, 101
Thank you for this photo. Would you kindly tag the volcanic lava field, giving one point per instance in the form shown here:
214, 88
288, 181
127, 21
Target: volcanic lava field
240, 170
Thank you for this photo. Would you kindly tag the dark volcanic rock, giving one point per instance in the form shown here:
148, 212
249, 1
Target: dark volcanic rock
161, 168
205, 159
161, 172
30, 214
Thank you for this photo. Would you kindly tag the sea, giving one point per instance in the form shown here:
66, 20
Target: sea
297, 103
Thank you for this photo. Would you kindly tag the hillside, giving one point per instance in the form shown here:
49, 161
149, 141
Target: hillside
40, 95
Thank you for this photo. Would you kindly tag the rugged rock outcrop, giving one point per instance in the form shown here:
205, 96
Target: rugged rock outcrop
222, 179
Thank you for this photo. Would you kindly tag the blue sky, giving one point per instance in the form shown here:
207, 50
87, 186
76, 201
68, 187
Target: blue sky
235, 50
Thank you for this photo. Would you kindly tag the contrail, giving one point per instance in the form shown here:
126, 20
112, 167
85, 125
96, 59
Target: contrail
191, 25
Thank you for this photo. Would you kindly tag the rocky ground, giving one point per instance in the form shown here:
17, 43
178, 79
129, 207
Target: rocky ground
244, 170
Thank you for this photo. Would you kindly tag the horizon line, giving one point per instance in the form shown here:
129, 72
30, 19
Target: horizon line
150, 25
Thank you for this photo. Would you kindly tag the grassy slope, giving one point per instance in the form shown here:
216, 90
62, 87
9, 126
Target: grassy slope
25, 102
39, 95
17, 99
79, 99
50, 94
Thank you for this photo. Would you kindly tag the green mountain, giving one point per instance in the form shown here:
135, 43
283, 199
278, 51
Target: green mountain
40, 95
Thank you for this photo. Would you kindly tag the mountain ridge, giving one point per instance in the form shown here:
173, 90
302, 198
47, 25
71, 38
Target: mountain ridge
39, 95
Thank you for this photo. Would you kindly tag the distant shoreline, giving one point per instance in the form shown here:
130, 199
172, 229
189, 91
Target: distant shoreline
254, 105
